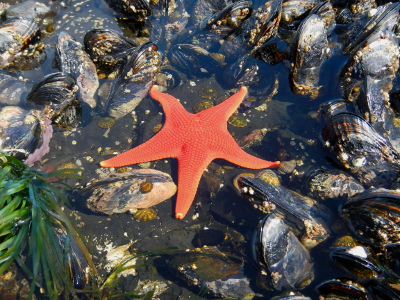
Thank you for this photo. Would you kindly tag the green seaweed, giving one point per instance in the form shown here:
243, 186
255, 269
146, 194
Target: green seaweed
32, 222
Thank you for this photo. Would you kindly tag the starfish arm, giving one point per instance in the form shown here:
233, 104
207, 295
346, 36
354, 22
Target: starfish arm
191, 167
220, 113
173, 109
230, 151
160, 146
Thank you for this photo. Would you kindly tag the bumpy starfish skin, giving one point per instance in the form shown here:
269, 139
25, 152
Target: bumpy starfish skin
195, 140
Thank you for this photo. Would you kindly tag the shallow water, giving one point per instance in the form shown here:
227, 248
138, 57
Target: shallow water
290, 129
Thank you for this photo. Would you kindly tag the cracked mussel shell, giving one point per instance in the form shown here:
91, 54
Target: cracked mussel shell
15, 35
107, 48
277, 250
58, 92
373, 216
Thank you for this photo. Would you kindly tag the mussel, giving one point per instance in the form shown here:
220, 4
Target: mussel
138, 10
57, 91
132, 81
280, 253
15, 35
241, 72
354, 143
124, 191
322, 184
344, 289
226, 20
107, 48
21, 131
311, 217
12, 88
71, 58
358, 261
373, 216
309, 51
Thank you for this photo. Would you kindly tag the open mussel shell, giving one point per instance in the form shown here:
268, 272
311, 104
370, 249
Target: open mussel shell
342, 288
358, 261
193, 60
107, 48
373, 216
354, 143
15, 35
311, 217
71, 58
132, 81
278, 250
231, 16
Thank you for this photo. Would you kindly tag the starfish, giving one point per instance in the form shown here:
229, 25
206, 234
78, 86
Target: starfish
195, 140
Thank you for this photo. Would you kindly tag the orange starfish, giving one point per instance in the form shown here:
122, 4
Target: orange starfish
195, 140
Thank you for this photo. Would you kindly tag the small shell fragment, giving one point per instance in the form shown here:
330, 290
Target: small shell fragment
145, 214
106, 122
